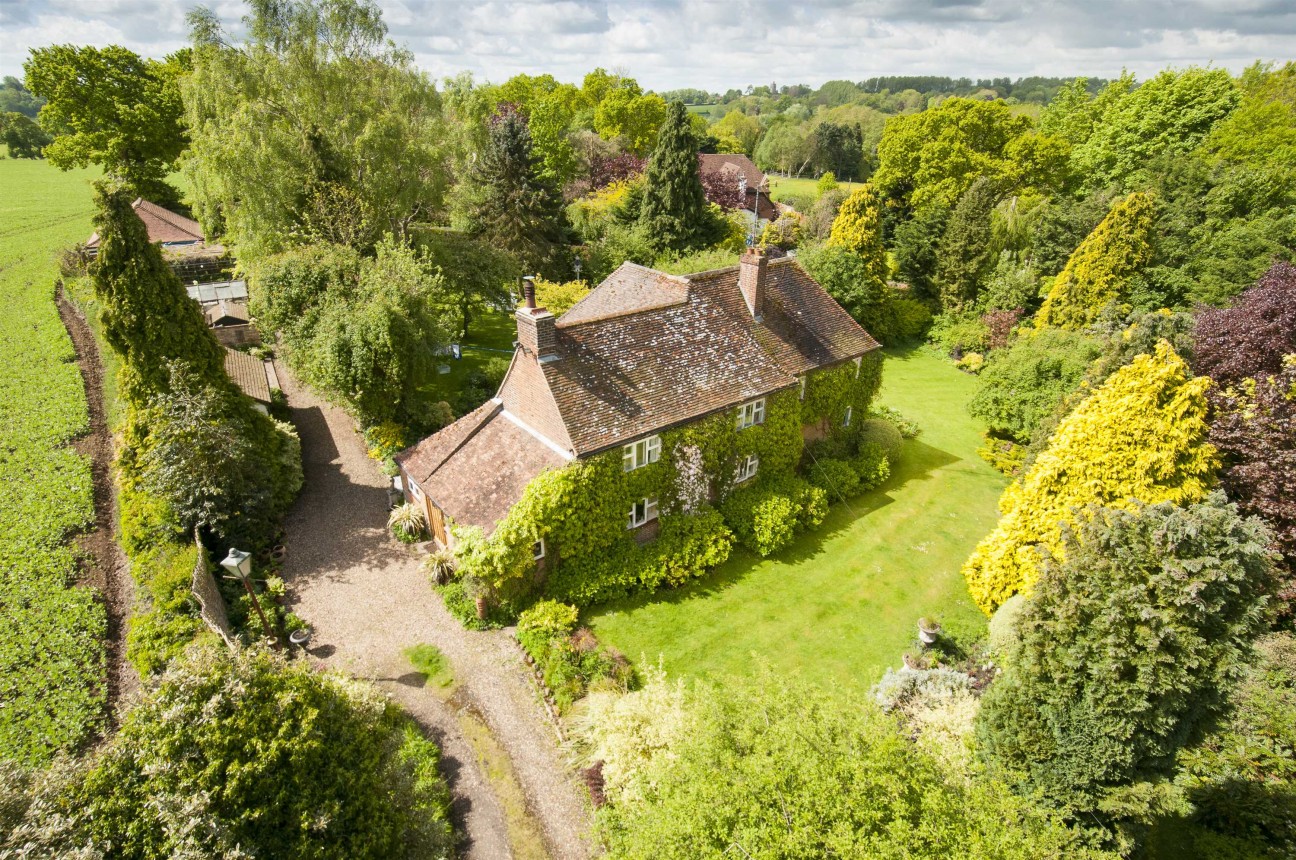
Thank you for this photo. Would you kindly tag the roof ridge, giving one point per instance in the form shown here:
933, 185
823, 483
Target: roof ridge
161, 212
497, 407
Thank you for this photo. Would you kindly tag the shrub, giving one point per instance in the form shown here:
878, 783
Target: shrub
1005, 626
1024, 385
440, 566
1250, 338
901, 320
384, 440
1140, 437
1136, 631
1005, 455
871, 465
571, 662
883, 433
764, 520
545, 620
908, 428
407, 522
835, 477
1000, 325
972, 362
245, 754
1102, 268
955, 333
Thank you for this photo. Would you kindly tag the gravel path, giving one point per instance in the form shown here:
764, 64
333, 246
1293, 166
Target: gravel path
367, 601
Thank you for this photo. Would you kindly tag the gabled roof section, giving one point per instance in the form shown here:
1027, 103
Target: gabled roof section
248, 373
163, 225
735, 163
630, 289
478, 467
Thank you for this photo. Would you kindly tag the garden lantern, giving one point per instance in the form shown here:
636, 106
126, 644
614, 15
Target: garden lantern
239, 564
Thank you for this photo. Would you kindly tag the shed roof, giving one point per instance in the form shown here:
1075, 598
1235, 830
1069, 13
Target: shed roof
249, 374
163, 225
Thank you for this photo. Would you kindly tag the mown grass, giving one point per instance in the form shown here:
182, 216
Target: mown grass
490, 340
52, 668
842, 603
782, 187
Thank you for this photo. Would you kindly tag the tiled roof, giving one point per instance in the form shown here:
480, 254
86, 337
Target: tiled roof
227, 313
476, 469
737, 164
248, 373
163, 225
621, 376
630, 289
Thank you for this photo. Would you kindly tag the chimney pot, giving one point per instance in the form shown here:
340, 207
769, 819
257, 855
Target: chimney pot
528, 291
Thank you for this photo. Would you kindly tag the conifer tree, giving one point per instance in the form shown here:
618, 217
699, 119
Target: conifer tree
964, 256
1142, 436
1127, 651
858, 229
1101, 269
674, 212
148, 318
517, 209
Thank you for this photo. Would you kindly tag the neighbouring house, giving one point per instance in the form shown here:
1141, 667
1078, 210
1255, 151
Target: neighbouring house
654, 396
736, 167
184, 246
254, 377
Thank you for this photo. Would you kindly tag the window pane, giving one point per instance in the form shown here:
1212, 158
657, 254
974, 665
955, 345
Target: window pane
650, 509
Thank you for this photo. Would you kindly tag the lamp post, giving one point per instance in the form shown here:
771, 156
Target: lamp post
576, 264
239, 564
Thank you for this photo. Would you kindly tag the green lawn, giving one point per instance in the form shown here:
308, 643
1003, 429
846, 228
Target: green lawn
782, 188
490, 337
841, 604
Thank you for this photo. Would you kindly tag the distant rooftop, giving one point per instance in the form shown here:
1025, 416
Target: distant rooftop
218, 292
163, 225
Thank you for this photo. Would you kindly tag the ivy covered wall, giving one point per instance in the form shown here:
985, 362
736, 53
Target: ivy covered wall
581, 511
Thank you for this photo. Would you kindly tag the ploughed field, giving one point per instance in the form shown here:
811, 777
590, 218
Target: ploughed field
52, 669
841, 604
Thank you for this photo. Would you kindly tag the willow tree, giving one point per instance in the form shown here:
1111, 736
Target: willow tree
315, 128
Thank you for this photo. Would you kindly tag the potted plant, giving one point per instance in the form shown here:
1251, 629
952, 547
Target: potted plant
928, 630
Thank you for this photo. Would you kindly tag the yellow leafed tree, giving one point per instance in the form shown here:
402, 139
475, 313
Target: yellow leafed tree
1099, 271
858, 228
1140, 436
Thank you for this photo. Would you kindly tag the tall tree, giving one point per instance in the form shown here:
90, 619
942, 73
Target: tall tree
111, 107
315, 127
674, 203
966, 254
514, 206
148, 318
1102, 269
1128, 650
1140, 437
915, 247
24, 138
858, 229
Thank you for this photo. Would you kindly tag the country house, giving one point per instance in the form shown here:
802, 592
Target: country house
735, 368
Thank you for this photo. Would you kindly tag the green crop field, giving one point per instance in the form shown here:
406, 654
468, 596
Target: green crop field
842, 603
51, 630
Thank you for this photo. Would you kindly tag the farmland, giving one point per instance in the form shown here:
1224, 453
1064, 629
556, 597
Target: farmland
51, 630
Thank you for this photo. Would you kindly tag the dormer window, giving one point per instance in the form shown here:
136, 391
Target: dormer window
641, 512
751, 413
640, 453
747, 469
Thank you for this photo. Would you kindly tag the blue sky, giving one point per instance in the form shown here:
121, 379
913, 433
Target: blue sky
717, 44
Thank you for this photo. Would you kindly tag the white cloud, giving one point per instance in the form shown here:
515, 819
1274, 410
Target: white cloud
717, 44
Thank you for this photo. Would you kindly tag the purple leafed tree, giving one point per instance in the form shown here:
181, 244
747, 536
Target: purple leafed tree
1251, 337
721, 188
604, 170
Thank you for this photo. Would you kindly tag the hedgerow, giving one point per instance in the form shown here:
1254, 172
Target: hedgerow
1140, 437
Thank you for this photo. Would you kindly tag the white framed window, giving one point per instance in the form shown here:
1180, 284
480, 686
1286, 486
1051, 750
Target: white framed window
641, 512
803, 385
858, 363
538, 551
415, 491
640, 453
747, 468
846, 421
751, 413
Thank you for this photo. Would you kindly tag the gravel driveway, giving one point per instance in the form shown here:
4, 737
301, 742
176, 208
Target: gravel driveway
367, 601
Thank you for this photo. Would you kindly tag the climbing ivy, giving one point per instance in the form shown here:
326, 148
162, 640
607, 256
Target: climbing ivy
581, 510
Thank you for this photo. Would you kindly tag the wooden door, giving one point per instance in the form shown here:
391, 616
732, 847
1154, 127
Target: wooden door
436, 523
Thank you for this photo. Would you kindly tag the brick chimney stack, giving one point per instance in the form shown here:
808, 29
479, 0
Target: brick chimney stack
751, 280
536, 327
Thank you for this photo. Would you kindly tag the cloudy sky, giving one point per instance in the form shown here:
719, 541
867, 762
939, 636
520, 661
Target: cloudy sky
717, 44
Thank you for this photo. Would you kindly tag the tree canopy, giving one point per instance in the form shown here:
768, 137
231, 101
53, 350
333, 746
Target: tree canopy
674, 209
